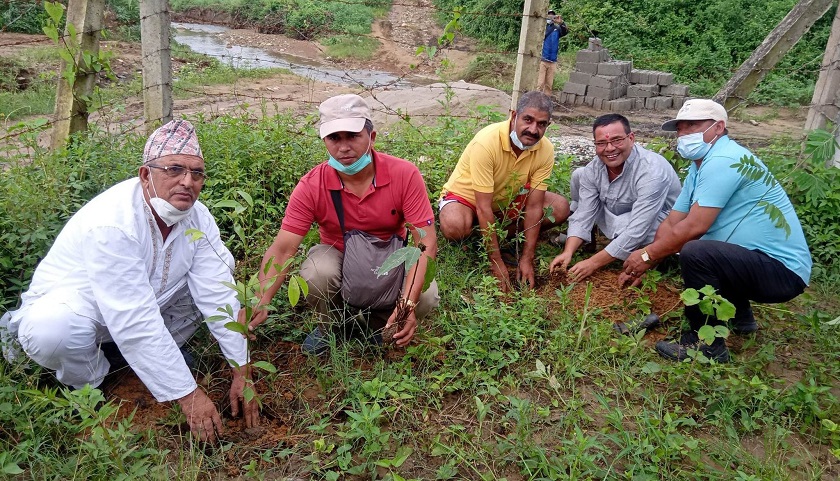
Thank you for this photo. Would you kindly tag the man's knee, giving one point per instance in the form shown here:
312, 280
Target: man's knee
322, 272
428, 301
559, 207
456, 221
692, 252
51, 332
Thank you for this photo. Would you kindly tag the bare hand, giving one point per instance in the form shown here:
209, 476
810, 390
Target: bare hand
525, 273
258, 316
560, 262
634, 267
250, 409
403, 337
626, 280
500, 272
202, 415
582, 270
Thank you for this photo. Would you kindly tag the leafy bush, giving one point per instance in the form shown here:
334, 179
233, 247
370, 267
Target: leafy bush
694, 40
22, 16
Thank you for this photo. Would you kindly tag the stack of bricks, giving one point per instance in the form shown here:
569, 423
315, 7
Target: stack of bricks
603, 83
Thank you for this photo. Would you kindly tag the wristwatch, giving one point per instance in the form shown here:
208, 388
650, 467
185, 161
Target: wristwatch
645, 256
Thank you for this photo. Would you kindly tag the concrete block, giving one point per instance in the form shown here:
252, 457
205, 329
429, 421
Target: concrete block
601, 93
599, 104
621, 105
615, 68
595, 43
642, 90
620, 90
602, 81
587, 67
677, 102
665, 78
592, 56
650, 103
636, 76
580, 78
639, 104
662, 103
580, 99
677, 90
574, 88
589, 101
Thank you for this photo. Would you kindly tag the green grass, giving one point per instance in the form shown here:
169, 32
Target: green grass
525, 386
351, 46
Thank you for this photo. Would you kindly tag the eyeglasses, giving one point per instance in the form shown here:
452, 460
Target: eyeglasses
176, 171
615, 142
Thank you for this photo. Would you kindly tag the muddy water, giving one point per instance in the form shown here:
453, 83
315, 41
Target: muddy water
208, 40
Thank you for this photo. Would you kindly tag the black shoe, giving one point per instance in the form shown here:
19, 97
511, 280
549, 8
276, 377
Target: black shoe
636, 325
678, 350
316, 343
509, 256
744, 326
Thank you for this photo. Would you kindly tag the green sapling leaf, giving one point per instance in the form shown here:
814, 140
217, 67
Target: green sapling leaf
237, 327
707, 334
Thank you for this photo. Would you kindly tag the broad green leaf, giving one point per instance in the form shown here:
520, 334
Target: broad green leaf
707, 334
12, 468
265, 366
55, 11
294, 292
725, 310
405, 255
230, 204
690, 297
431, 272
237, 327
248, 393
651, 367
51, 32
833, 322
194, 234
246, 196
240, 232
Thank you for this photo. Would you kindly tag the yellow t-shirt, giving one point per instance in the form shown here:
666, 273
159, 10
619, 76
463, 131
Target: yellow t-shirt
489, 165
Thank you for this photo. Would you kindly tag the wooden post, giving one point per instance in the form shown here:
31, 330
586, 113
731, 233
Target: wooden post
531, 37
772, 49
826, 104
71, 109
157, 62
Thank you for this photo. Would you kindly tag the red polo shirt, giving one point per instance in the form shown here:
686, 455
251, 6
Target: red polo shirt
396, 196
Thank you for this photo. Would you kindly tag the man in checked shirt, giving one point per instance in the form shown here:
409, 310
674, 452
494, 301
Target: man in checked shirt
626, 190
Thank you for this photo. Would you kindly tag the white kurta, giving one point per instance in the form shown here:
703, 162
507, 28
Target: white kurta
112, 254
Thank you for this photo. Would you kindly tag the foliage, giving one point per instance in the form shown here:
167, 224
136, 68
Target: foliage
694, 40
524, 385
302, 19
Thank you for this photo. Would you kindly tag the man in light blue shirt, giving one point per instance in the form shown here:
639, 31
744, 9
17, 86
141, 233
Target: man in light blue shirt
738, 234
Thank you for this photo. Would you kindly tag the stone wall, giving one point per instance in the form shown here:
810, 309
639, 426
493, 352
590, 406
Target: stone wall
603, 83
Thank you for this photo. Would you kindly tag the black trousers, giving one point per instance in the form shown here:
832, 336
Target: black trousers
738, 274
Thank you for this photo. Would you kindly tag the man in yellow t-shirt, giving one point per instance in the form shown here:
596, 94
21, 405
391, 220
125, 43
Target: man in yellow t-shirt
501, 176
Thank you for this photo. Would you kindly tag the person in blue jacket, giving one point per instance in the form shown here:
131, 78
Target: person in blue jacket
554, 31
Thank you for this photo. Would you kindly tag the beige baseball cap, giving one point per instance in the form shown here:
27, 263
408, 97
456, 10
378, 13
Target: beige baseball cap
343, 113
697, 109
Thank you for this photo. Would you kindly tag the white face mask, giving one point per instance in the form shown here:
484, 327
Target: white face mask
168, 213
692, 146
516, 141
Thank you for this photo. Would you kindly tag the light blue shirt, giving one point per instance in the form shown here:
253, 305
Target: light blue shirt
742, 220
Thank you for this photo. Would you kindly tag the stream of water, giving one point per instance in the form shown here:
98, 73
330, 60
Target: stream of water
208, 40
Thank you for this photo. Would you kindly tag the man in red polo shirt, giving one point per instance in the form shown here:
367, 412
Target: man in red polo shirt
379, 194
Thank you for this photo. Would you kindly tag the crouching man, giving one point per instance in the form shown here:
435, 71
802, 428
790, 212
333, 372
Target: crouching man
360, 198
123, 277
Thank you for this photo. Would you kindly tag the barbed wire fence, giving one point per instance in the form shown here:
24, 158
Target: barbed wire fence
357, 79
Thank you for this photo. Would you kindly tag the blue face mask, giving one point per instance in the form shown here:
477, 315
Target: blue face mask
353, 168
692, 146
515, 139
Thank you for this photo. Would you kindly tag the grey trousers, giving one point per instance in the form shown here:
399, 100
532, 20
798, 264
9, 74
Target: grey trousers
322, 272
